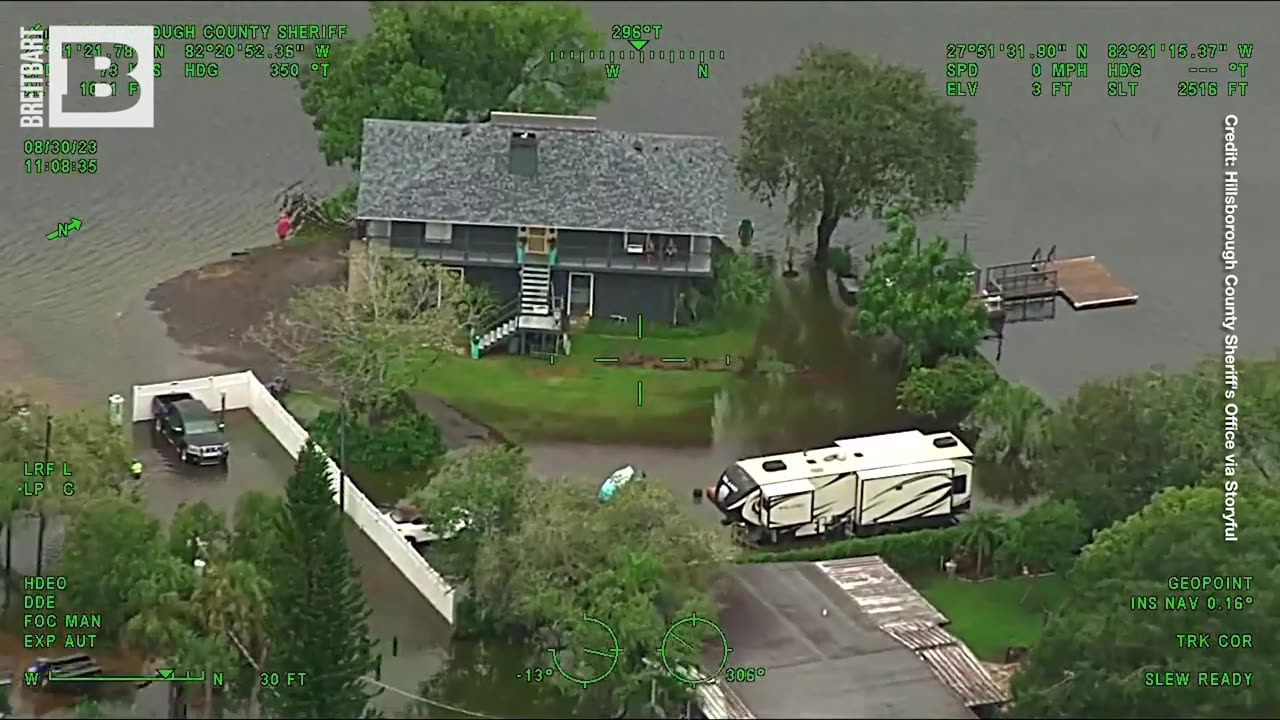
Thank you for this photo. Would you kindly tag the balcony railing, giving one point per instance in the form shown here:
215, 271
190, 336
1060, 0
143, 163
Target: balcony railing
570, 258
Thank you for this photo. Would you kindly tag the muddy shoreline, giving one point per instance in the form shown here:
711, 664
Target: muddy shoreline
209, 309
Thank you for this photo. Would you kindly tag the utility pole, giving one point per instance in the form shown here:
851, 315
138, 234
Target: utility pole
48, 438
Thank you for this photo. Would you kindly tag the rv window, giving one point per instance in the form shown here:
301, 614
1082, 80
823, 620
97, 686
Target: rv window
773, 465
959, 484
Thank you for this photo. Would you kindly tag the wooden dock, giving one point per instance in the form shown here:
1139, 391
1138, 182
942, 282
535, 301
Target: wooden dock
1086, 283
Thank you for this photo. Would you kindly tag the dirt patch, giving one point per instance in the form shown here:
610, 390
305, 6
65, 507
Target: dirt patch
210, 308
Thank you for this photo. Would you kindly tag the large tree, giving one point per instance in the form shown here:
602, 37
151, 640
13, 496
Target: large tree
85, 444
365, 339
112, 548
540, 564
253, 534
841, 136
317, 615
1098, 657
197, 531
452, 62
921, 295
230, 599
483, 487
1114, 444
1259, 400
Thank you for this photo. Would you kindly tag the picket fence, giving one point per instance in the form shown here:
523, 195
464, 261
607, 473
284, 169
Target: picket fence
243, 391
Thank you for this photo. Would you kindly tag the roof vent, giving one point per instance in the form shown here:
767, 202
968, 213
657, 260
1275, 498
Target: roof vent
466, 130
638, 145
945, 442
524, 154
773, 465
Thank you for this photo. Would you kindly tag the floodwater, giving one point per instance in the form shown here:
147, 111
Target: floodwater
409, 634
1134, 180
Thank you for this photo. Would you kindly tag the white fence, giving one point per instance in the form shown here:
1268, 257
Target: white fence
244, 391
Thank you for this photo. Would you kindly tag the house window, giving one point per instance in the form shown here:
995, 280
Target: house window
438, 232
406, 234
457, 272
634, 243
377, 229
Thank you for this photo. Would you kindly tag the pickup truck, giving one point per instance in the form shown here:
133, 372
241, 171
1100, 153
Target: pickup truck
193, 430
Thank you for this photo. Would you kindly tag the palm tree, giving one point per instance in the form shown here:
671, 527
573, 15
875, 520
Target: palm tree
161, 624
231, 600
205, 652
1012, 421
981, 534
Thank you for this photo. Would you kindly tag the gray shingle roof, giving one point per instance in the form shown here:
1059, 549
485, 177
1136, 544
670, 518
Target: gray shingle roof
585, 179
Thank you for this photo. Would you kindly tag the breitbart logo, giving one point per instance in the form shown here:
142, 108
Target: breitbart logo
42, 79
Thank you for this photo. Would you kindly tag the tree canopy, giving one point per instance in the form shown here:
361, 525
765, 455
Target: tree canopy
451, 62
363, 339
1098, 657
95, 451
317, 615
923, 296
841, 136
113, 548
1114, 444
537, 564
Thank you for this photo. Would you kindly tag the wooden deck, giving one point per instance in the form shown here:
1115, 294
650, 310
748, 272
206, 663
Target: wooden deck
1086, 283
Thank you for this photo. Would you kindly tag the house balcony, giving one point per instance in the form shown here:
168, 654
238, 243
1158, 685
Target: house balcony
693, 259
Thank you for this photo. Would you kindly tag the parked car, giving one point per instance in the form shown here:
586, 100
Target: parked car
192, 428
617, 479
413, 527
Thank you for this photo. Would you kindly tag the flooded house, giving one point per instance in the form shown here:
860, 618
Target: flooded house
563, 220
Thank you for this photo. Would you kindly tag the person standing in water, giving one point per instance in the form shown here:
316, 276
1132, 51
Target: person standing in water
284, 226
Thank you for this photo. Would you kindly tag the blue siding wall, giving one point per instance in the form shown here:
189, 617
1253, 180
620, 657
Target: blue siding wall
504, 283
630, 295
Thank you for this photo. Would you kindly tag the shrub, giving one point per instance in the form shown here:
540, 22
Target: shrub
906, 552
743, 284
949, 391
1045, 538
404, 440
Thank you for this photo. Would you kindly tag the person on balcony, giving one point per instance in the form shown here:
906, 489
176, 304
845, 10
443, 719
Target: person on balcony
648, 250
670, 251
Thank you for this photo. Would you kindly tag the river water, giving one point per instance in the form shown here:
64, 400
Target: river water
1134, 180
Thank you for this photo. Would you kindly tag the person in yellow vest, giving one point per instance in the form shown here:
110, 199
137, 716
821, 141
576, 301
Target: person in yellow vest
135, 469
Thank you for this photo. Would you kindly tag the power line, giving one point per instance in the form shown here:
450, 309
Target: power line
428, 701
375, 682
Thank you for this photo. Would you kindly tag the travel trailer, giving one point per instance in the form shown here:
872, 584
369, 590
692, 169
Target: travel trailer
861, 486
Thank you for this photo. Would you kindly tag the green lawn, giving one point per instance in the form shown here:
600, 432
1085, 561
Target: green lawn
994, 615
578, 399
306, 405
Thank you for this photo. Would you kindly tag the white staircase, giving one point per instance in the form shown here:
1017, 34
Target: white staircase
498, 333
535, 289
